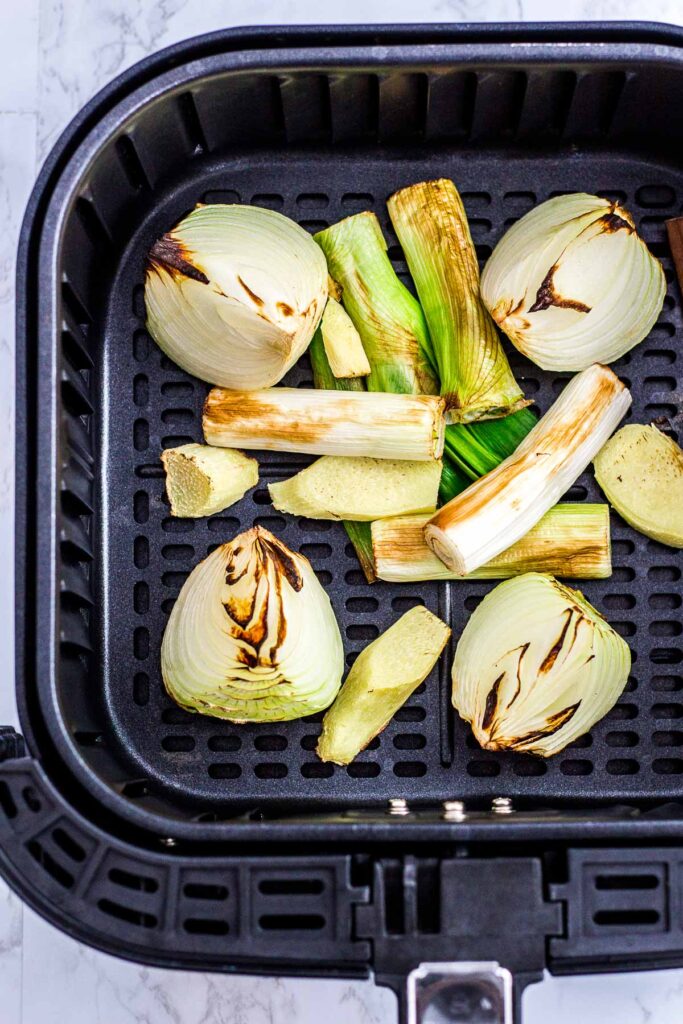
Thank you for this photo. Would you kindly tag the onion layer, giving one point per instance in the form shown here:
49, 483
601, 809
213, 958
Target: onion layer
536, 666
572, 283
234, 294
252, 636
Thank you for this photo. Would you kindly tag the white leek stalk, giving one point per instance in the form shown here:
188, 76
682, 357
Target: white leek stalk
500, 508
359, 489
343, 345
252, 636
234, 294
381, 679
640, 470
570, 540
201, 480
572, 283
536, 666
476, 379
326, 422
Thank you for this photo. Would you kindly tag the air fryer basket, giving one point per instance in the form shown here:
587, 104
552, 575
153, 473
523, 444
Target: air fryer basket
318, 126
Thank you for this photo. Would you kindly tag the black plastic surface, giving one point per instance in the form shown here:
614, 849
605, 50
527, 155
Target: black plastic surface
321, 139
176, 907
152, 405
173, 905
133, 402
624, 905
429, 910
312, 119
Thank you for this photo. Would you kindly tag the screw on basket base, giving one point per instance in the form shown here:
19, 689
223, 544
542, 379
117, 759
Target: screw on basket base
453, 810
167, 841
398, 807
502, 805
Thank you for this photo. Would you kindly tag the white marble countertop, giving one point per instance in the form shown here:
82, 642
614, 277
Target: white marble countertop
54, 54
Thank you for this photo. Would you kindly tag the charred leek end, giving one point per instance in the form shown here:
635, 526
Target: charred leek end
570, 540
323, 378
536, 667
234, 294
382, 678
343, 346
201, 480
326, 422
432, 227
572, 283
640, 470
359, 489
388, 318
252, 636
496, 511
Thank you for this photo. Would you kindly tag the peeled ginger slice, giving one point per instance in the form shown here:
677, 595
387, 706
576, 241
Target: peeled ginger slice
201, 480
359, 488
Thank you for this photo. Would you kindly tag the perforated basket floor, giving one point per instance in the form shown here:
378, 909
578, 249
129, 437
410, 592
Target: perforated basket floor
426, 752
320, 136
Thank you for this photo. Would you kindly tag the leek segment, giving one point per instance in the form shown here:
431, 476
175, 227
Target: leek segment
326, 422
475, 375
396, 340
570, 540
381, 679
536, 666
388, 318
499, 509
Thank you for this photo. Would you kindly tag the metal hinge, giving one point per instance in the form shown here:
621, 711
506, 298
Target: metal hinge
458, 926
462, 993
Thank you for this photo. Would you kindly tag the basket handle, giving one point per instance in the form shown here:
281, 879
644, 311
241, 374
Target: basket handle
461, 993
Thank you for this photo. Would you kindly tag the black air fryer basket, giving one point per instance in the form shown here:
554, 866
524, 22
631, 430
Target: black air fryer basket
185, 841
